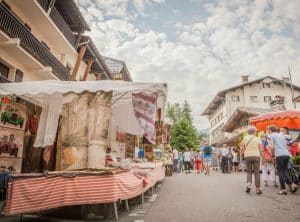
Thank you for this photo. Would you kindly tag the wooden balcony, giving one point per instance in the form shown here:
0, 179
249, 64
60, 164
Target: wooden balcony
10, 25
4, 80
58, 21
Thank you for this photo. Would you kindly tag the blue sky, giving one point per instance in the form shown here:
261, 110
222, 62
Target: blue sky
198, 47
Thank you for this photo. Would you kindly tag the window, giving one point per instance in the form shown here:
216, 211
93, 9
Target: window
267, 99
266, 85
4, 70
235, 98
19, 76
253, 98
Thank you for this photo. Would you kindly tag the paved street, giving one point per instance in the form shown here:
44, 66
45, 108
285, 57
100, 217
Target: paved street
218, 197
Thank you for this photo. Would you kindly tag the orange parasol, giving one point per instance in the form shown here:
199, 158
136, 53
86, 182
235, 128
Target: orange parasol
287, 118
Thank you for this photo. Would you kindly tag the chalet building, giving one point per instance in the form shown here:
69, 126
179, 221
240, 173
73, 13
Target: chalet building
230, 109
43, 39
118, 69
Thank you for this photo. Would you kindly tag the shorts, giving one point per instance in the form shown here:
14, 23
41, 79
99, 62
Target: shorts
207, 162
235, 164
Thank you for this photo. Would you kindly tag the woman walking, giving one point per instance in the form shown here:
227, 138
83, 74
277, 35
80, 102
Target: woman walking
278, 145
251, 150
198, 161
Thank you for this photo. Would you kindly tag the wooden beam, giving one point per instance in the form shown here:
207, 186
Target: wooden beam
87, 69
77, 64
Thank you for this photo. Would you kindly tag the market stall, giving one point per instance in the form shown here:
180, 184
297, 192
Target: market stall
77, 123
287, 118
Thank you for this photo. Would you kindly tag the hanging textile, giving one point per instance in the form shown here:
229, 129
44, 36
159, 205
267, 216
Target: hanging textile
144, 106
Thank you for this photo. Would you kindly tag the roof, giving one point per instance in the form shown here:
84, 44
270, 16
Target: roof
117, 66
297, 99
99, 66
221, 94
239, 114
72, 16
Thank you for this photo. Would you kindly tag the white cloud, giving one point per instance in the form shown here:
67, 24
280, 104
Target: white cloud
238, 37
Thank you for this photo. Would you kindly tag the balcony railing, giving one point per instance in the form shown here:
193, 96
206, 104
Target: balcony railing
3, 79
44, 4
58, 21
15, 29
62, 26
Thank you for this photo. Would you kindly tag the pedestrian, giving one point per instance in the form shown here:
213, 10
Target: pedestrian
180, 162
230, 156
278, 145
235, 160
141, 152
187, 157
175, 160
285, 132
198, 161
207, 157
268, 164
224, 158
251, 150
193, 159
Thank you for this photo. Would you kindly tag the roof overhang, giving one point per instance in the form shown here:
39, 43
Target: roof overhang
240, 113
72, 16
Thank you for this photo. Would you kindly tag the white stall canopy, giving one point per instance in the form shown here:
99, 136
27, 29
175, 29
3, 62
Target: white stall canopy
49, 95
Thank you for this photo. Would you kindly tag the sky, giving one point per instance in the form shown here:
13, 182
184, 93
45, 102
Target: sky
198, 47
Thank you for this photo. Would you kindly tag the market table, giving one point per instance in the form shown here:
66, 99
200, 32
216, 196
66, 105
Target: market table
32, 194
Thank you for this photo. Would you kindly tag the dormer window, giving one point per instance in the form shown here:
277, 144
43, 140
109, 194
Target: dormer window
266, 85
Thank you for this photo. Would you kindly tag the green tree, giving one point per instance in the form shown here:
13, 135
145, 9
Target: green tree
184, 134
186, 111
173, 112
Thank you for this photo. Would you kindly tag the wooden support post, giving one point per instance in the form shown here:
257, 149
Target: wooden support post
87, 69
143, 199
116, 211
77, 64
127, 205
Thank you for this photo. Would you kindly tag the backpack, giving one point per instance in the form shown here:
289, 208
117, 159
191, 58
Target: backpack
207, 150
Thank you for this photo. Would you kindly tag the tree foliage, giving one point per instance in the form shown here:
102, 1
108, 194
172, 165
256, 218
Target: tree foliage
183, 133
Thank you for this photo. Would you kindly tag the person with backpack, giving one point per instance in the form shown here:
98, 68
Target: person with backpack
207, 156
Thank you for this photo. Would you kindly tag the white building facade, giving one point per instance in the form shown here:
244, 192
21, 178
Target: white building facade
259, 94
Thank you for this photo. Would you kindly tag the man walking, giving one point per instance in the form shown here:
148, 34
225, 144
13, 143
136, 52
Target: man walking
224, 158
187, 157
175, 160
207, 156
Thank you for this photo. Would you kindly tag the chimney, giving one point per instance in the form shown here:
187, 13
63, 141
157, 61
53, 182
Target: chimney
245, 78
